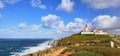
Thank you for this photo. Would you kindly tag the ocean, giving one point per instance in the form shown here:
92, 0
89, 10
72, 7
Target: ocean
11, 47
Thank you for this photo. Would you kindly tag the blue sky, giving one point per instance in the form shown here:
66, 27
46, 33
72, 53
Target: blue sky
56, 18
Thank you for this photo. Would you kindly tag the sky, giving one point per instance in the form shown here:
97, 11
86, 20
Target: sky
56, 18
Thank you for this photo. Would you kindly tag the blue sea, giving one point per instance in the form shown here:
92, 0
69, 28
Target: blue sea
10, 47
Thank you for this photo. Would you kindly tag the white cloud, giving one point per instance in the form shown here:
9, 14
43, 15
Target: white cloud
78, 20
73, 27
1, 5
22, 25
35, 27
12, 1
104, 21
66, 5
50, 20
61, 27
76, 26
103, 4
38, 3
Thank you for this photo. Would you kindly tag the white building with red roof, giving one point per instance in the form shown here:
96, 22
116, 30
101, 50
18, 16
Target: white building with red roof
96, 31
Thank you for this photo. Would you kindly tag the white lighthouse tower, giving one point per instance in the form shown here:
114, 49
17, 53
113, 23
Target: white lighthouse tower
86, 28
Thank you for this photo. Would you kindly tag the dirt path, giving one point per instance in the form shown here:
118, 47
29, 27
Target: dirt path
56, 52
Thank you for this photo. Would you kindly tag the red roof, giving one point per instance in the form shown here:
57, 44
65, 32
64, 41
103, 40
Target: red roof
97, 30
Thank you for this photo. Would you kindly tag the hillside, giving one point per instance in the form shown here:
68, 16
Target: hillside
84, 39
90, 45
82, 45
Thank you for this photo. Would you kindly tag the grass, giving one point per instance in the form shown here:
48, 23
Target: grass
101, 48
87, 54
106, 51
77, 38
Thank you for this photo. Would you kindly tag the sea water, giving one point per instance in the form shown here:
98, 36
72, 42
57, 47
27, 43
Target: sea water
10, 47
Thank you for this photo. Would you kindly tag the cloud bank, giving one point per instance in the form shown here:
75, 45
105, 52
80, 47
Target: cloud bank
52, 21
102, 4
104, 21
72, 27
107, 22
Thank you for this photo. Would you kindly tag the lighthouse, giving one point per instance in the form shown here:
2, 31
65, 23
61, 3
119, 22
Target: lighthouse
86, 28
96, 31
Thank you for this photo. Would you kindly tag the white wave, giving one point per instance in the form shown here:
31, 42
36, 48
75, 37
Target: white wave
29, 50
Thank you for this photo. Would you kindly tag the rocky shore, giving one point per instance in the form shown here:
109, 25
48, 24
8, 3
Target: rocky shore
53, 51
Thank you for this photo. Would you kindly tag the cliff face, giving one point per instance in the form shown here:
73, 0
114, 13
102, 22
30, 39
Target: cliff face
81, 45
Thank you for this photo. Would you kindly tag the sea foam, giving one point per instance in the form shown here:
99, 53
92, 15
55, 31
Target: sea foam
29, 50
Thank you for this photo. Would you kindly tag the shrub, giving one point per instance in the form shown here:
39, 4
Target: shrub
87, 54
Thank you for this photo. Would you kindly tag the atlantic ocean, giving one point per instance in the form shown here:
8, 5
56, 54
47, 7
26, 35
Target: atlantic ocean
10, 47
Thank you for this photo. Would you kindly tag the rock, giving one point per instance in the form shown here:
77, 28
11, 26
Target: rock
17, 55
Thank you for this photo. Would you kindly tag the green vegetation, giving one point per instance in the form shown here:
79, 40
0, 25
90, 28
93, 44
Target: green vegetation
87, 54
106, 51
77, 38
89, 45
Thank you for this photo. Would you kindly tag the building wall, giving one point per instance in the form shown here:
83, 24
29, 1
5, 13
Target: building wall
103, 33
87, 32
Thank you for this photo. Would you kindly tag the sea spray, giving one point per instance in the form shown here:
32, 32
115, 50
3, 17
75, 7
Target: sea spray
34, 49
39, 47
